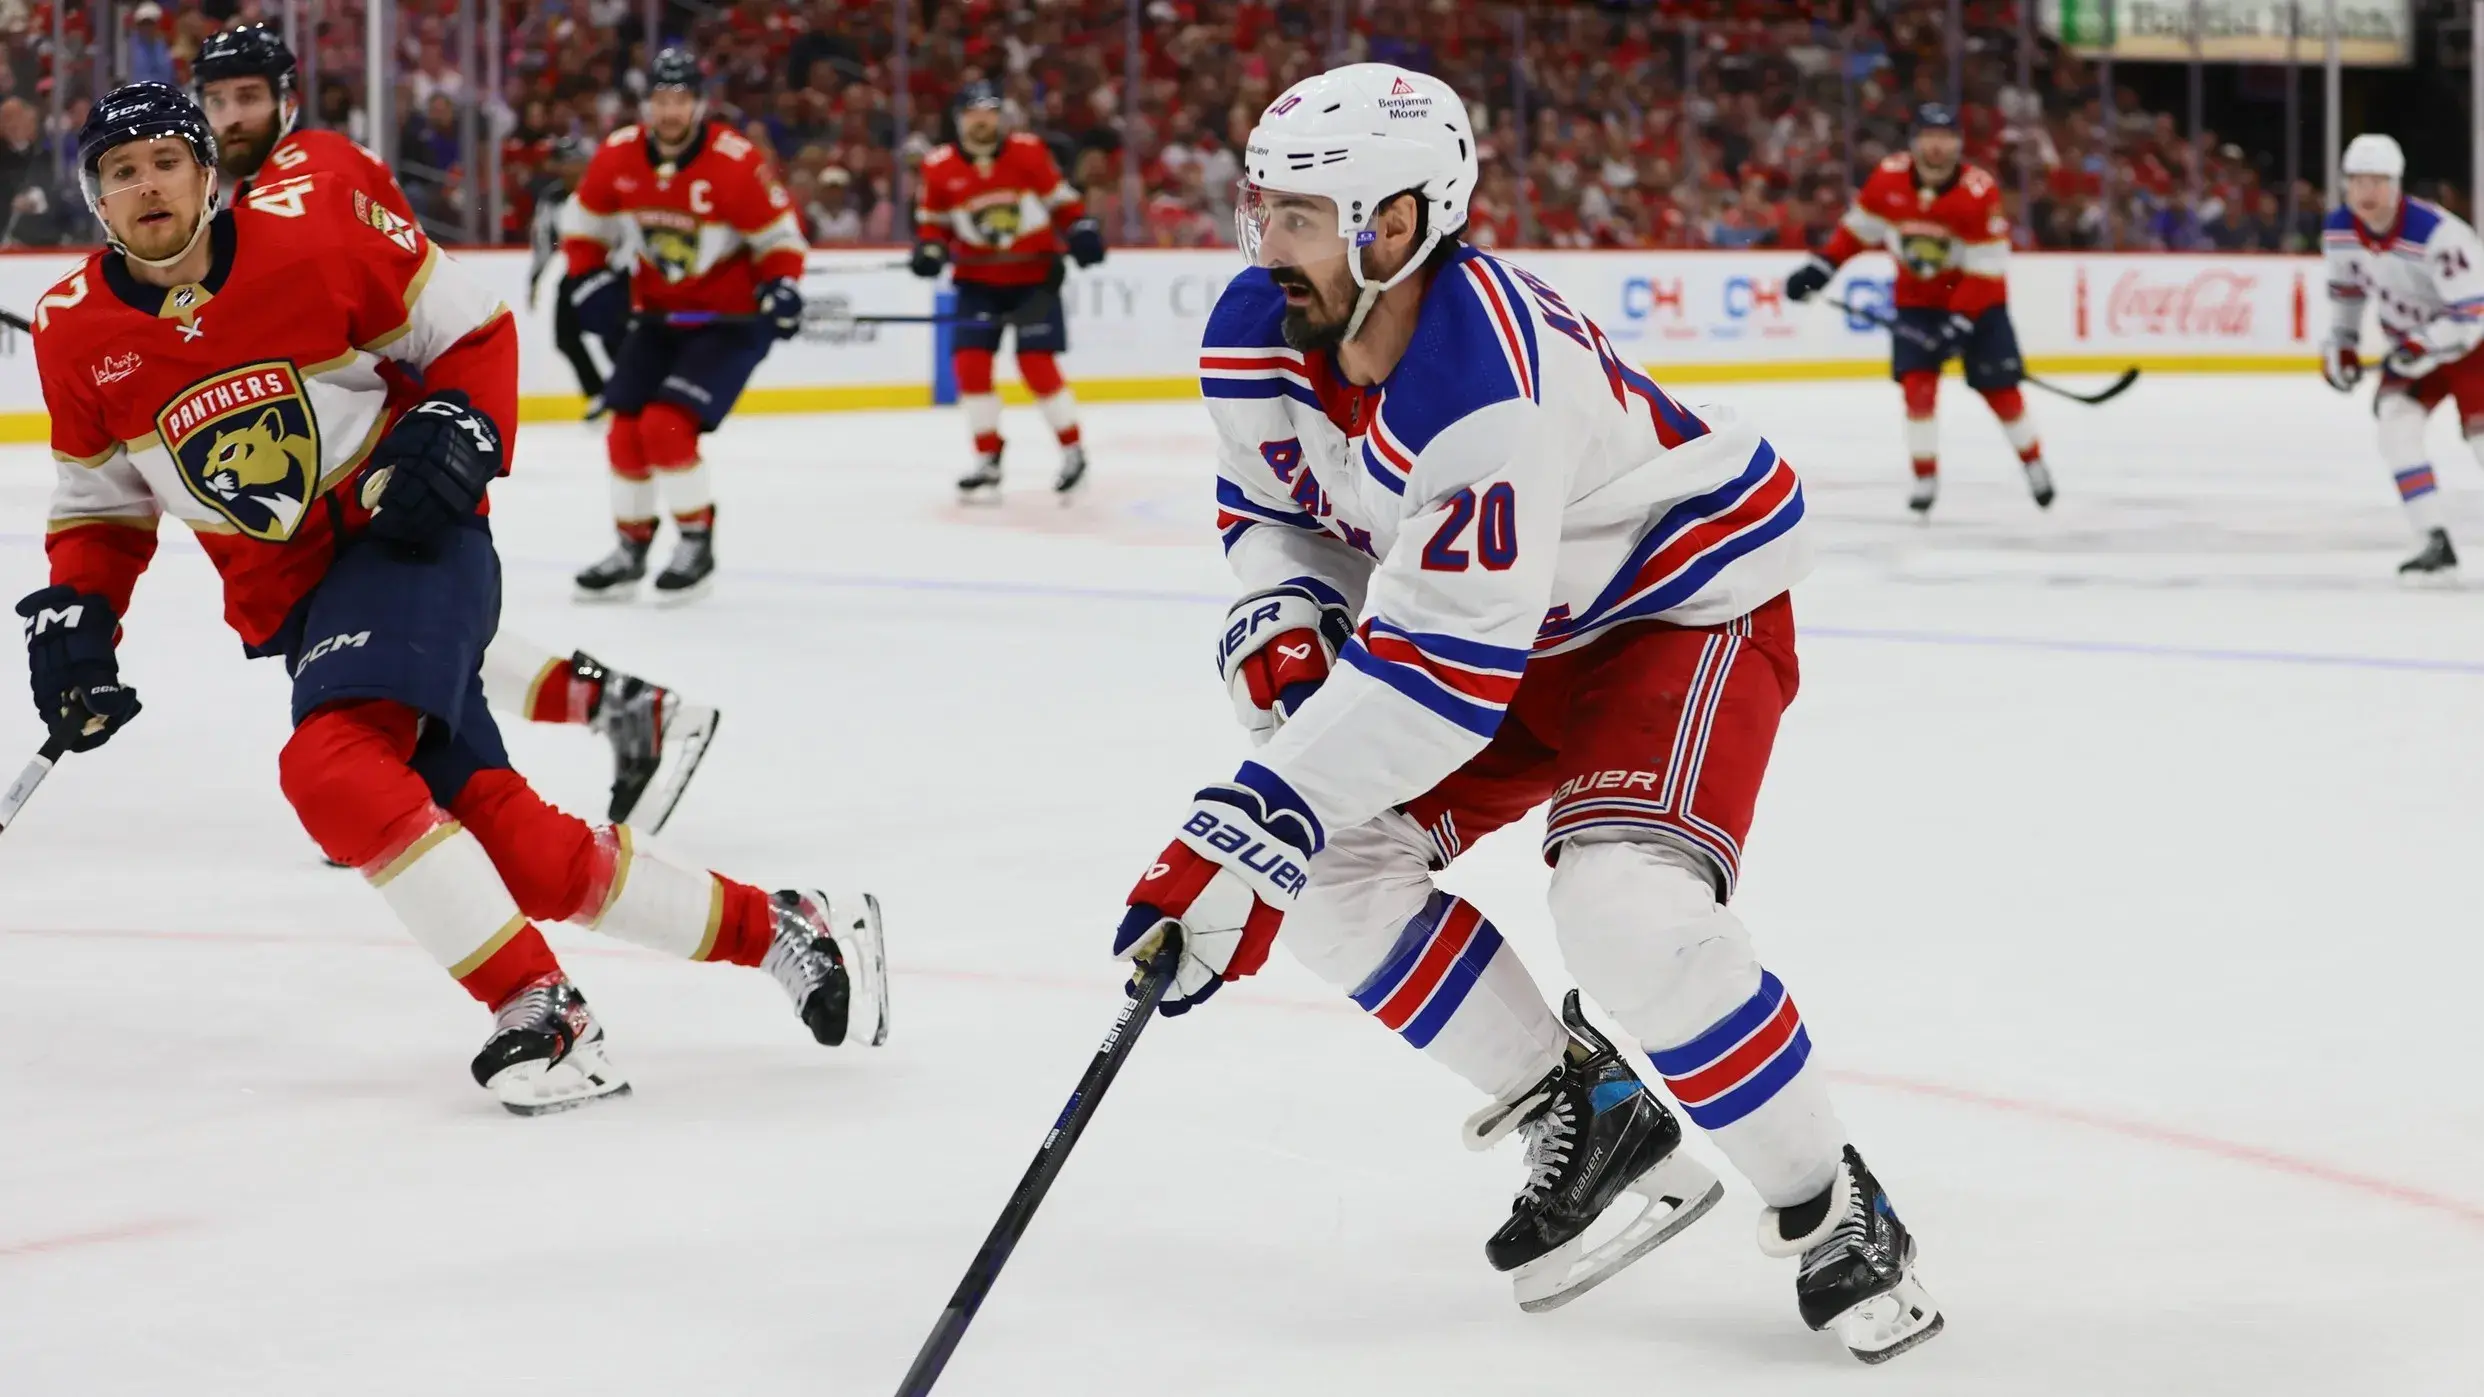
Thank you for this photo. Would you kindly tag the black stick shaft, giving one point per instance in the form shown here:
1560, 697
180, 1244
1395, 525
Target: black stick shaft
16, 322
1915, 336
986, 1268
22, 789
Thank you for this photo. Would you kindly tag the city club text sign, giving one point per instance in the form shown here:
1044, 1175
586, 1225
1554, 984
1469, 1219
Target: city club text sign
2370, 33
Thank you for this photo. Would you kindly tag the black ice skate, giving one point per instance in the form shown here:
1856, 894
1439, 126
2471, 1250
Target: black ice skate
829, 958
1593, 1133
594, 408
2040, 483
617, 576
983, 482
546, 1052
1073, 470
657, 741
1858, 1269
1927, 489
692, 570
2437, 562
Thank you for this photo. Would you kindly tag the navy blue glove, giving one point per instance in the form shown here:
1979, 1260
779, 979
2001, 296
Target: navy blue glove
928, 259
1808, 280
780, 304
602, 300
1955, 333
77, 678
1085, 240
431, 469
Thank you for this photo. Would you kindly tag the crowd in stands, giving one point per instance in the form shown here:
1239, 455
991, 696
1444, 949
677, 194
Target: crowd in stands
1679, 123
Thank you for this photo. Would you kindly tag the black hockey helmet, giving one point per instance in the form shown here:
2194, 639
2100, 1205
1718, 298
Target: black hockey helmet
1936, 116
977, 96
571, 150
676, 67
141, 111
245, 51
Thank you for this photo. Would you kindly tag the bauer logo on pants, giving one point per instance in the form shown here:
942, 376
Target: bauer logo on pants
246, 444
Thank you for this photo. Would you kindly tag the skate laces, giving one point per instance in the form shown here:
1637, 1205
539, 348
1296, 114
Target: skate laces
801, 955
1843, 1240
1550, 1135
536, 1006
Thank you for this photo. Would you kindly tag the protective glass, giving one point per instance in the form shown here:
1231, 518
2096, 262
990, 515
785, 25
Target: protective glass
1275, 228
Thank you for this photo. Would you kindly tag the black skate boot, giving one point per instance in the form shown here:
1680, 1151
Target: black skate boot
1927, 489
657, 741
829, 957
1073, 470
1593, 1133
2437, 562
546, 1052
983, 482
594, 408
616, 577
2040, 483
1858, 1269
692, 570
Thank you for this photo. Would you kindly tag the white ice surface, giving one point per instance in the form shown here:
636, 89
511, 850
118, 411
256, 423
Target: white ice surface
2124, 860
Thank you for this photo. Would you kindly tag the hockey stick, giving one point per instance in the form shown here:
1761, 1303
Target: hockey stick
16, 322
856, 268
694, 319
23, 788
1925, 340
1149, 988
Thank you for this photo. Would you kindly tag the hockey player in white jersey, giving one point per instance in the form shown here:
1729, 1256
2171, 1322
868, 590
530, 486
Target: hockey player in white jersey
1489, 564
2425, 267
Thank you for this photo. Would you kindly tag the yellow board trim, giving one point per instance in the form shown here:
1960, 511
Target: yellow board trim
415, 850
489, 948
29, 426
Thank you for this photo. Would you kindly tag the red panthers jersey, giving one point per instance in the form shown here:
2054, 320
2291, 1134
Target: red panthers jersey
303, 152
245, 404
1951, 243
997, 217
708, 226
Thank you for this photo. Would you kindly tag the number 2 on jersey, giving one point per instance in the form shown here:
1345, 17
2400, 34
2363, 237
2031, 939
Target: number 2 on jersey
1495, 519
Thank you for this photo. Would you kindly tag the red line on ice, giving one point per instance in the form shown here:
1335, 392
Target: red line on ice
71, 1241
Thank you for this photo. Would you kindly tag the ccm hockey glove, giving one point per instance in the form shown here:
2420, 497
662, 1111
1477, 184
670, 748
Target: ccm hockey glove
1234, 869
1277, 649
431, 469
78, 691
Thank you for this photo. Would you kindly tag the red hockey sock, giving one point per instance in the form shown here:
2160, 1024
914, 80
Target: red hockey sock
563, 695
2007, 403
345, 772
1923, 390
743, 937
1041, 372
972, 369
625, 448
670, 436
553, 862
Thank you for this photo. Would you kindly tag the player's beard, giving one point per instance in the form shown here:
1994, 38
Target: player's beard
241, 151
159, 240
1306, 327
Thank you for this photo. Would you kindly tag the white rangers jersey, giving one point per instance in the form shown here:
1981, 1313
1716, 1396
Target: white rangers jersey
1513, 488
2427, 273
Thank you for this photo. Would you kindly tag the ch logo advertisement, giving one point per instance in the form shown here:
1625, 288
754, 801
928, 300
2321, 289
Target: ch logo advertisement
1734, 306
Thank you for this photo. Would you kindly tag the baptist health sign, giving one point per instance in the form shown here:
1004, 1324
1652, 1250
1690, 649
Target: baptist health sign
2370, 33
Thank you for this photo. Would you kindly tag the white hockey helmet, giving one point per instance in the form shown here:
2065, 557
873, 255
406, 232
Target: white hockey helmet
1358, 136
2373, 154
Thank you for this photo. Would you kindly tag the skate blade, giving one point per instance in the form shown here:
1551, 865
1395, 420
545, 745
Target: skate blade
540, 1089
1676, 1192
683, 596
869, 968
2438, 580
979, 494
1889, 1323
608, 596
685, 746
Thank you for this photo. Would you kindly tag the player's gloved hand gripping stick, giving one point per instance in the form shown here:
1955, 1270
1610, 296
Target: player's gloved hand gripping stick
1948, 344
1154, 977
76, 679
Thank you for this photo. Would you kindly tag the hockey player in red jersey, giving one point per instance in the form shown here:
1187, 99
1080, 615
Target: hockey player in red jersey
1940, 218
719, 255
226, 369
995, 211
244, 77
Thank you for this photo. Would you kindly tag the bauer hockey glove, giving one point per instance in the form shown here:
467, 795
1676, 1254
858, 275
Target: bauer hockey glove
929, 257
431, 469
2341, 366
1085, 240
1277, 649
1238, 864
2414, 358
1808, 280
77, 677
780, 304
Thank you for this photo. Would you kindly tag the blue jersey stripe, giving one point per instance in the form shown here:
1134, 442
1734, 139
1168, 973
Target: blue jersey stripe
1481, 719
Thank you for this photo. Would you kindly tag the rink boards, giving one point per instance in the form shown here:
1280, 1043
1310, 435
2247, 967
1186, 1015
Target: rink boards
1135, 322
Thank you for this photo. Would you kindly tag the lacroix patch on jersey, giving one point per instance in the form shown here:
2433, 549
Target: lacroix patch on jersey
246, 445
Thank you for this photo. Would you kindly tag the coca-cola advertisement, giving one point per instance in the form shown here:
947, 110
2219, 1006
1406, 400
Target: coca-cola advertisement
2184, 302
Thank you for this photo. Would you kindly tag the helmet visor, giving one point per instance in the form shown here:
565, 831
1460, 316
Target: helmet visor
1279, 228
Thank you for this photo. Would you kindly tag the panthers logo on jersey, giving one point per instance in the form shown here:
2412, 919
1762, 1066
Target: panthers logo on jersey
669, 242
246, 444
1926, 251
998, 224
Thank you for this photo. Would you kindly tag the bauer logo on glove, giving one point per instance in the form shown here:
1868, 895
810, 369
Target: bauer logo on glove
1238, 864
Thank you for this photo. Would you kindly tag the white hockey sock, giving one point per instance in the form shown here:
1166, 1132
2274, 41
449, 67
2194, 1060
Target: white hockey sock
2400, 423
657, 903
1642, 931
445, 890
1453, 988
983, 412
2021, 430
1923, 442
515, 670
633, 501
1060, 411
686, 491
